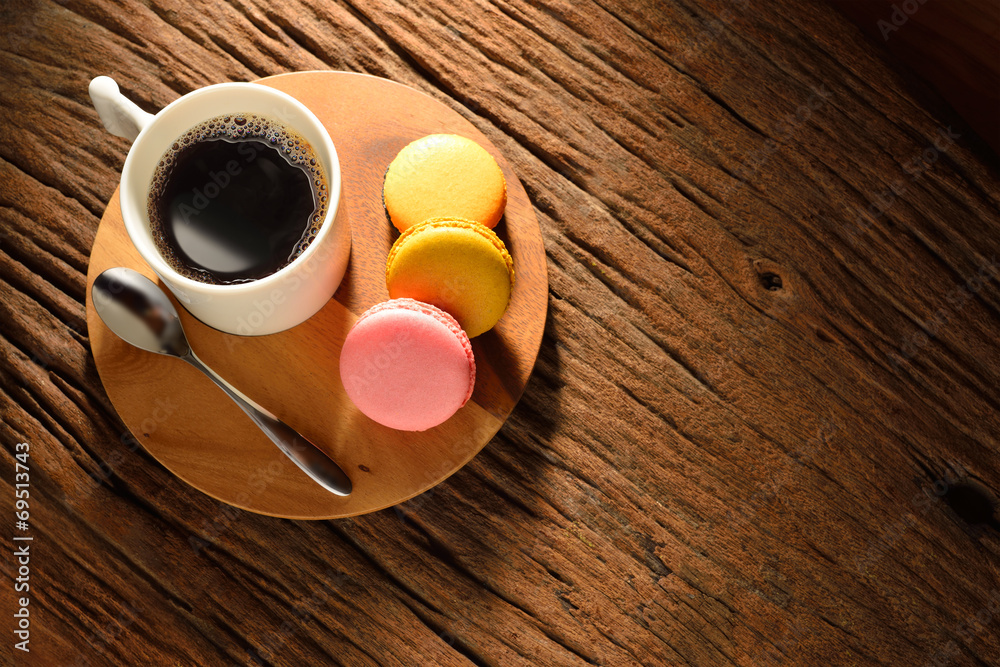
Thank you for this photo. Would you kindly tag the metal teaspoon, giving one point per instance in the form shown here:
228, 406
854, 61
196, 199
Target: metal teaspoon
140, 313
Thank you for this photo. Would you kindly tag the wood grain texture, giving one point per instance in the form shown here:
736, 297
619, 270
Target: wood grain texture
954, 45
198, 433
770, 359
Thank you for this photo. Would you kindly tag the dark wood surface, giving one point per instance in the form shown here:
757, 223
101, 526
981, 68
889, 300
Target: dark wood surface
759, 416
953, 45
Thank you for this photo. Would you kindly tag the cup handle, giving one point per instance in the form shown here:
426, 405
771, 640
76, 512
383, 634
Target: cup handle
120, 115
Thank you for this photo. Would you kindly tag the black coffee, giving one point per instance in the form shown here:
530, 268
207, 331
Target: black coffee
235, 199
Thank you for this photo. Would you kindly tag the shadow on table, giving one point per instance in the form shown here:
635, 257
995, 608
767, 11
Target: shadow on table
511, 457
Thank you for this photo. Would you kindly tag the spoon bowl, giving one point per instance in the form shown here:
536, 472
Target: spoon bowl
140, 316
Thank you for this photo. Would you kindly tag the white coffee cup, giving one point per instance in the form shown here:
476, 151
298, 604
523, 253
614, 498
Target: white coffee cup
270, 304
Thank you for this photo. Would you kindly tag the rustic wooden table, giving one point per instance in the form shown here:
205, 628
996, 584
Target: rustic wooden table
763, 426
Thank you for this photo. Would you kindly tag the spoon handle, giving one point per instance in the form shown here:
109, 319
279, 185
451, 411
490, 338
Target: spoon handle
307, 456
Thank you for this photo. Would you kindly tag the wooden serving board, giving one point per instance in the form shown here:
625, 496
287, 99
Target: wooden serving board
198, 433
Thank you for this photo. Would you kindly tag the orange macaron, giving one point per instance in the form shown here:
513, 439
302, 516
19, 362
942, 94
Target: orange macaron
444, 175
460, 266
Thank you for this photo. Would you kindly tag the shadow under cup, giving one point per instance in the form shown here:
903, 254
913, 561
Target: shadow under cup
275, 302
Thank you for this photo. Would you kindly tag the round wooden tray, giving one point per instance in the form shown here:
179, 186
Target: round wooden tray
199, 434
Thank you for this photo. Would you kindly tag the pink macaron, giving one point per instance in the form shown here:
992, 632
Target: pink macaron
407, 365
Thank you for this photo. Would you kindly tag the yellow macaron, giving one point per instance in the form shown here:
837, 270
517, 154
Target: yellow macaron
444, 175
458, 265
